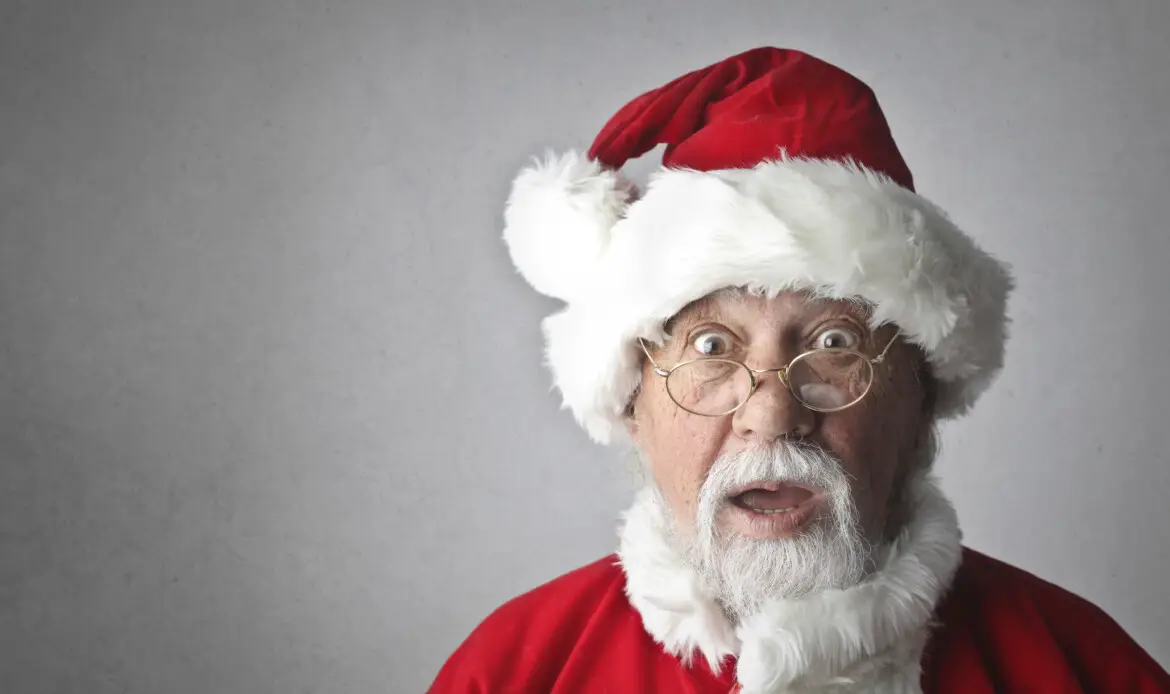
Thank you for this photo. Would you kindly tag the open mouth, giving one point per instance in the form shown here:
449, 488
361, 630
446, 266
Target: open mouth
770, 498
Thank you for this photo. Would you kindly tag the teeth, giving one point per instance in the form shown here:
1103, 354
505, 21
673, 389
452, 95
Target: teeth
771, 511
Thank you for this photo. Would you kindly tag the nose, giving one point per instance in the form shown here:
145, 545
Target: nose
772, 413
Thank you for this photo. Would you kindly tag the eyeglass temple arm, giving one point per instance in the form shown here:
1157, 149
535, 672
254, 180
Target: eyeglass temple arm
882, 357
657, 369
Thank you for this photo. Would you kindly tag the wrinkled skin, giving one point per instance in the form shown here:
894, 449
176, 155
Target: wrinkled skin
874, 439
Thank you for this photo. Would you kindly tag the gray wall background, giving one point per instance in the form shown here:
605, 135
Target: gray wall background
272, 415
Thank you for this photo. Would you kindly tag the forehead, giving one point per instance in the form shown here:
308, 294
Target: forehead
785, 308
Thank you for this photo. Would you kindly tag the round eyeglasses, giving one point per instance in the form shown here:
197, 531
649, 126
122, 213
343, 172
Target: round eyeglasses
824, 380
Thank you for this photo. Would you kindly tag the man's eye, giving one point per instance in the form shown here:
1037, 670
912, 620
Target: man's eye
712, 344
837, 338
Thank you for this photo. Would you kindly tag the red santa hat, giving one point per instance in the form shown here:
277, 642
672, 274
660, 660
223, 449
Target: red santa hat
779, 173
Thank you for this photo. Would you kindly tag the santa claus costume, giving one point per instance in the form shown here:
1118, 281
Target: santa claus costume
779, 173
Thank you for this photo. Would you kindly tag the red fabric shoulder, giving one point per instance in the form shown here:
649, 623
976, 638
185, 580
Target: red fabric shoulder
1005, 630
527, 640
578, 633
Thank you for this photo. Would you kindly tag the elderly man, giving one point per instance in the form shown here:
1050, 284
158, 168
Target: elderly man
776, 324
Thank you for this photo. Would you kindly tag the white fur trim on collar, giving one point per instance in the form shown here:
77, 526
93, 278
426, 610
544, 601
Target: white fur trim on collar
865, 638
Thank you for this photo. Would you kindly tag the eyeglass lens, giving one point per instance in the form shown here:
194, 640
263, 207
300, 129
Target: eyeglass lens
822, 380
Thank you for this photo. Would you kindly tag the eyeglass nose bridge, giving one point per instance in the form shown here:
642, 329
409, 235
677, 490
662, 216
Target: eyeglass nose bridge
780, 371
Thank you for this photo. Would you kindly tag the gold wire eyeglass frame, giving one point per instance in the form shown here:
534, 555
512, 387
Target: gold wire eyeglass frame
781, 372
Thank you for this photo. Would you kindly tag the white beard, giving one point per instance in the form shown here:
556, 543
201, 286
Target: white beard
740, 573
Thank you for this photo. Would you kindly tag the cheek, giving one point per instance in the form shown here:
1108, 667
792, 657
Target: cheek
873, 439
681, 448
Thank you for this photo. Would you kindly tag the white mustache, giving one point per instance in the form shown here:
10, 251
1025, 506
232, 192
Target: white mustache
804, 464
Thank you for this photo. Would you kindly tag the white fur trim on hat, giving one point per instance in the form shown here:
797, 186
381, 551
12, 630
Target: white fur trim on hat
833, 228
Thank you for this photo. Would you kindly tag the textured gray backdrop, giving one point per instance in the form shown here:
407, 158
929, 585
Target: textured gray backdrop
272, 415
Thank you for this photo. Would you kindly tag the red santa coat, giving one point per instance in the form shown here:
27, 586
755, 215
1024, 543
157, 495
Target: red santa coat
1002, 631
998, 630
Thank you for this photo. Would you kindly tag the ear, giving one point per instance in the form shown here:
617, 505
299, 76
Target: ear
929, 385
630, 415
631, 428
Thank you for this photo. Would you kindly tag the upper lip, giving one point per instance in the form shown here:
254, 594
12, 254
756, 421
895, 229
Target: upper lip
771, 486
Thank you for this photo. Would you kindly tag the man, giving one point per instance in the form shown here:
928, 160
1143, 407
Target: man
776, 325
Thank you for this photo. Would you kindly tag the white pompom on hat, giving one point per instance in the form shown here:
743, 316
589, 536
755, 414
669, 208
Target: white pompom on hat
779, 173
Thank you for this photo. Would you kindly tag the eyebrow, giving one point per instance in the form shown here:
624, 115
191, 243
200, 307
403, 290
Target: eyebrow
698, 311
705, 309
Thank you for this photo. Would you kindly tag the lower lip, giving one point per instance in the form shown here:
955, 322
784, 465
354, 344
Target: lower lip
769, 526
